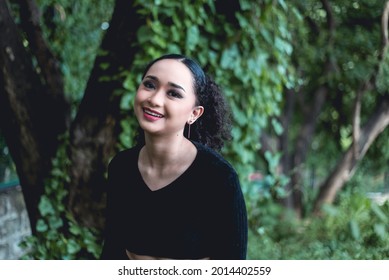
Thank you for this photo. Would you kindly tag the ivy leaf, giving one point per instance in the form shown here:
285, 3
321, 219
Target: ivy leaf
73, 247
45, 206
76, 230
55, 222
277, 126
192, 38
41, 226
229, 57
126, 102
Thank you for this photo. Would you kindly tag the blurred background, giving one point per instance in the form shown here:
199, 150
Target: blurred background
307, 82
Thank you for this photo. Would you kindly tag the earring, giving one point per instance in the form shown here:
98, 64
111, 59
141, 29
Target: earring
188, 131
189, 124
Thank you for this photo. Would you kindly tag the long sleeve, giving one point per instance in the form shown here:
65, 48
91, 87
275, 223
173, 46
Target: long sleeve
113, 248
232, 222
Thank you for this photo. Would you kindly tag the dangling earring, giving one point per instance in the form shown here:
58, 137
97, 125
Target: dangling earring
189, 130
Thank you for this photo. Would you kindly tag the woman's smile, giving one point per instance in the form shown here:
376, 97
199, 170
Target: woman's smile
151, 115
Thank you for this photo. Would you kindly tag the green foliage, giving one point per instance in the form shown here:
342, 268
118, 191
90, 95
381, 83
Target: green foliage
269, 188
352, 48
355, 229
58, 236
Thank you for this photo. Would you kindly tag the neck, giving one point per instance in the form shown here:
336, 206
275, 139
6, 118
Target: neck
162, 151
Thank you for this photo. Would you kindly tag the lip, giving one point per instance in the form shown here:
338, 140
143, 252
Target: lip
151, 114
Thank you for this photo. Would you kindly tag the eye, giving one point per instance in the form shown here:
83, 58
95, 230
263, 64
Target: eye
148, 84
175, 94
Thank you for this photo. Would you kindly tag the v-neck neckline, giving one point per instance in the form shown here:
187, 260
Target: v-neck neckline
170, 185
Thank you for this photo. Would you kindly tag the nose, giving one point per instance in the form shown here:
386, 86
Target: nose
156, 98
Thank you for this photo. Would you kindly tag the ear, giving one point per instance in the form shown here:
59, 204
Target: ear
196, 113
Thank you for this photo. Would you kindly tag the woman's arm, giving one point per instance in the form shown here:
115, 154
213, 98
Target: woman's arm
232, 221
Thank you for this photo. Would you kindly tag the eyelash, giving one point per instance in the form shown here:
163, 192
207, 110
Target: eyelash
172, 93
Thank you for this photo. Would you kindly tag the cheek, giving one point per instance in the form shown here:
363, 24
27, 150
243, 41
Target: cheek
137, 104
139, 97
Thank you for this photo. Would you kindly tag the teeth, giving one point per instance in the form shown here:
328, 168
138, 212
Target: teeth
153, 114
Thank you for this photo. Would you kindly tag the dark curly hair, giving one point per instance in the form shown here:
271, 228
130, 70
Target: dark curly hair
214, 126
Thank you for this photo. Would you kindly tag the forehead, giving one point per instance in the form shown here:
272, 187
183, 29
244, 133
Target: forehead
170, 70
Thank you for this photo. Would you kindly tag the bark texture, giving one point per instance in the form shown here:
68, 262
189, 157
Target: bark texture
30, 117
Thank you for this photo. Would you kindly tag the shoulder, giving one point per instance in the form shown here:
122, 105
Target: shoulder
222, 176
124, 157
213, 162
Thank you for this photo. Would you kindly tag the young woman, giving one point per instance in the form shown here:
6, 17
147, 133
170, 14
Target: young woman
173, 196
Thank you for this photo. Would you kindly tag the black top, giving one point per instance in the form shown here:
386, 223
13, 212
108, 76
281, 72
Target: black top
200, 214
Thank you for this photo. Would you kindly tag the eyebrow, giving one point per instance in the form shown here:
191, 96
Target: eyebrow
169, 83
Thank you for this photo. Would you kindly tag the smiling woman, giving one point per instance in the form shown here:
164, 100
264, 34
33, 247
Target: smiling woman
173, 196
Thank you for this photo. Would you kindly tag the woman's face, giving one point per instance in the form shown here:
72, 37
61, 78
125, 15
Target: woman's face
165, 99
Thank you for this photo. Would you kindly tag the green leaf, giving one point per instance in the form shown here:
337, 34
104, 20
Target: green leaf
277, 126
192, 38
229, 57
273, 160
126, 103
72, 246
41, 226
45, 206
75, 229
104, 65
55, 222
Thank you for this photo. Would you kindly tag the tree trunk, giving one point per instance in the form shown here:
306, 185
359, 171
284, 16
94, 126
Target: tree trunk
30, 118
345, 167
95, 130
